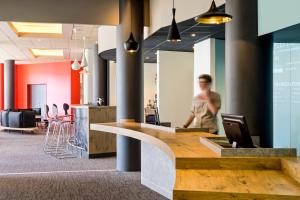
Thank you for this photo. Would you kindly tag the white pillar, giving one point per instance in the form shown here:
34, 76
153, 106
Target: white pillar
204, 61
209, 58
88, 78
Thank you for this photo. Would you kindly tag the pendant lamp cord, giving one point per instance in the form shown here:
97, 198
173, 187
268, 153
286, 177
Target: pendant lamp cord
131, 16
74, 29
83, 42
173, 10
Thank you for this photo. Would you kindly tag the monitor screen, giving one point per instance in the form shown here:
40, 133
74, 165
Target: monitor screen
236, 130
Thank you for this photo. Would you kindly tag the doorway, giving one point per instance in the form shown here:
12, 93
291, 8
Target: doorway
37, 97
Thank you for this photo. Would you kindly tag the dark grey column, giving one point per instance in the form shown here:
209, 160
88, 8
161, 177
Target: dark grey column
248, 71
9, 84
100, 87
130, 84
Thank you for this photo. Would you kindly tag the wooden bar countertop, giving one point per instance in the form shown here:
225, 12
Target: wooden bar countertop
203, 174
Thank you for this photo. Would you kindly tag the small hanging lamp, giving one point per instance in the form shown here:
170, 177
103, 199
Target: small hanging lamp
213, 16
131, 45
85, 71
75, 65
174, 35
84, 62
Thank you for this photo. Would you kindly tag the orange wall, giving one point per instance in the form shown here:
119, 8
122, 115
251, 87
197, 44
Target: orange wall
63, 84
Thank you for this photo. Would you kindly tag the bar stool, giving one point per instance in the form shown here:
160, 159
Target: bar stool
53, 134
73, 142
62, 150
59, 133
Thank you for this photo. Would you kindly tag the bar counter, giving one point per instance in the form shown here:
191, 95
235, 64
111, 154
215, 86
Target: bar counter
95, 144
178, 166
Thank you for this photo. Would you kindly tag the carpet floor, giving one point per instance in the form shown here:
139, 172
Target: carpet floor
26, 172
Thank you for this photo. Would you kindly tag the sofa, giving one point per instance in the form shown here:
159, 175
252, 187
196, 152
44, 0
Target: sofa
18, 119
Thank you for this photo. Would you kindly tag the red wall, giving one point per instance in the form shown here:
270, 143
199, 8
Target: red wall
75, 87
1, 86
63, 84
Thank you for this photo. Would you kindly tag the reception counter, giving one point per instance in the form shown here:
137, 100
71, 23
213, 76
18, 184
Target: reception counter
178, 166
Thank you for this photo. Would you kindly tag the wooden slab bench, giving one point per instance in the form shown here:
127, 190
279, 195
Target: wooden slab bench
29, 130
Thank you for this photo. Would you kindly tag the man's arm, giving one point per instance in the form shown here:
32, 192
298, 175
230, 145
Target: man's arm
214, 105
189, 121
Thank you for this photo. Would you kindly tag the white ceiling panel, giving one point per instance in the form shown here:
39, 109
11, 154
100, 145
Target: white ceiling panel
14, 47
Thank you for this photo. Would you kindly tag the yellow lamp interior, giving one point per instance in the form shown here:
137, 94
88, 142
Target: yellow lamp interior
47, 52
23, 29
214, 20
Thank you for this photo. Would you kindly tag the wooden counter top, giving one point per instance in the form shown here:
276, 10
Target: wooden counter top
203, 174
175, 145
89, 106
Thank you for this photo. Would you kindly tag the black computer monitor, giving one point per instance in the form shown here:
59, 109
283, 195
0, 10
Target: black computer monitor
236, 130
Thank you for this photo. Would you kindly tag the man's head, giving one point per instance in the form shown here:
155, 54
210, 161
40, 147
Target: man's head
205, 81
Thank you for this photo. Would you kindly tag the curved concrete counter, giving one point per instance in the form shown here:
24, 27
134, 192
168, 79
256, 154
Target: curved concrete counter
178, 166
162, 149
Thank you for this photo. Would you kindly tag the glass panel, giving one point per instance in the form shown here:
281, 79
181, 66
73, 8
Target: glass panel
281, 95
286, 91
295, 96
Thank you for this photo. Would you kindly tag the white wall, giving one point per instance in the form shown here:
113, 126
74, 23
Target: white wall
175, 72
149, 83
106, 37
161, 11
274, 15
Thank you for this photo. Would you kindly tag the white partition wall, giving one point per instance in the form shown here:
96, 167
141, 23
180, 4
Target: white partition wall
175, 71
149, 83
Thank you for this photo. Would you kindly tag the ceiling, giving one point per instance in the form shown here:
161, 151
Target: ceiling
287, 35
191, 33
18, 48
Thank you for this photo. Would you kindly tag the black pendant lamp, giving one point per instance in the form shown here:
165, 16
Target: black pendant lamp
131, 45
174, 35
213, 16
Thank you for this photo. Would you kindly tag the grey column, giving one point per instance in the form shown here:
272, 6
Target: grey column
130, 84
100, 79
9, 84
248, 71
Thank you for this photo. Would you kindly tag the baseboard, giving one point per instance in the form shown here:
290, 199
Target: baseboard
98, 155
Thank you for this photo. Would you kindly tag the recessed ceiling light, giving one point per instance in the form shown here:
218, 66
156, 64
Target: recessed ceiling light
193, 34
28, 29
47, 52
147, 58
